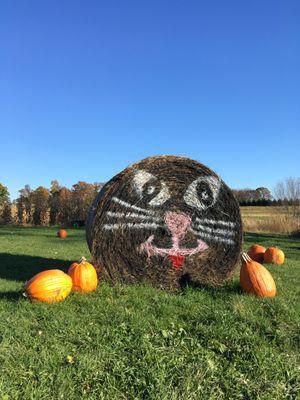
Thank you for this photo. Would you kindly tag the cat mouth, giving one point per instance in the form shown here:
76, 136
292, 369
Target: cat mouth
175, 253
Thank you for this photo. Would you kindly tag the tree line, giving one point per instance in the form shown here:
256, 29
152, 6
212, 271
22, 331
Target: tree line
254, 197
59, 205
286, 193
259, 197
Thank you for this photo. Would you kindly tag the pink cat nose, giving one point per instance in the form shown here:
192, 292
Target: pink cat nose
177, 223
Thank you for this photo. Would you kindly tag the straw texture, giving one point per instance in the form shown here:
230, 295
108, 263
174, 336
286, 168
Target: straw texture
165, 220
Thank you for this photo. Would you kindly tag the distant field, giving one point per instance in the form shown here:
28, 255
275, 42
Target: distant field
262, 212
136, 342
269, 219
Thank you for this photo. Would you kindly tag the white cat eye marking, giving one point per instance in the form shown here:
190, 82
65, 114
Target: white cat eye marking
144, 225
161, 197
140, 178
191, 197
132, 206
212, 237
215, 222
215, 231
131, 215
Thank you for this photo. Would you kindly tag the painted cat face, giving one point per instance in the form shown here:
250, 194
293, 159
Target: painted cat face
171, 215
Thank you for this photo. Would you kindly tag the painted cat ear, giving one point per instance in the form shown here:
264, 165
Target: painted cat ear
204, 197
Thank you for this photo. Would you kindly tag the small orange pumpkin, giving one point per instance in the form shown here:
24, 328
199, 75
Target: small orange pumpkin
274, 255
49, 286
84, 276
62, 233
256, 279
256, 252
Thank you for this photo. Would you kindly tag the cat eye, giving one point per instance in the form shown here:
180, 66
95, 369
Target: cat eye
149, 188
202, 192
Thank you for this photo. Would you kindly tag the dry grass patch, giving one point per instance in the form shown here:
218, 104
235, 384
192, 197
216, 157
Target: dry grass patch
269, 219
277, 224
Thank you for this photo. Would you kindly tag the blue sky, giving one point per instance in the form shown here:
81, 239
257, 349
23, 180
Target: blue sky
88, 87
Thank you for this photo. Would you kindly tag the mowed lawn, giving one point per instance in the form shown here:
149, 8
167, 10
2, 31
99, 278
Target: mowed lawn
136, 342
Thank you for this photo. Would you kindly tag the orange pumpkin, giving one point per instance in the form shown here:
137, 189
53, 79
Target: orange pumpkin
62, 233
274, 255
49, 286
256, 252
84, 276
256, 279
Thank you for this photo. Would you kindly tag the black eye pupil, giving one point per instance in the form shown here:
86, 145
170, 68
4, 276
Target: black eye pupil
150, 190
204, 193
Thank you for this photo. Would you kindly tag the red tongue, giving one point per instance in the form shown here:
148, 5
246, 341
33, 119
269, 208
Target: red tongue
177, 261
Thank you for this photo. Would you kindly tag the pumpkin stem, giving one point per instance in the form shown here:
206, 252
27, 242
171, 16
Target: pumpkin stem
83, 259
246, 258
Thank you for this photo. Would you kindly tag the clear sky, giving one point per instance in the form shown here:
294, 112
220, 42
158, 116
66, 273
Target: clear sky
88, 87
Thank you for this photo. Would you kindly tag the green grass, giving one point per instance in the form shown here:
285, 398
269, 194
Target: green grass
135, 342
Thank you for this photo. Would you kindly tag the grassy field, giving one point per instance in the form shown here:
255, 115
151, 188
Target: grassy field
135, 342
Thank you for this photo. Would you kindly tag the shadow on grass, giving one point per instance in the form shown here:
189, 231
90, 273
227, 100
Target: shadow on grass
23, 267
11, 296
267, 237
231, 287
264, 237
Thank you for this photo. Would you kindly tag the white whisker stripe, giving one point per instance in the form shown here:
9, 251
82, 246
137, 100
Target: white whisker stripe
217, 222
133, 207
144, 225
213, 238
131, 215
214, 230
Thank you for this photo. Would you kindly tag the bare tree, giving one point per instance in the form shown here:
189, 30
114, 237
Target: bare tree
288, 191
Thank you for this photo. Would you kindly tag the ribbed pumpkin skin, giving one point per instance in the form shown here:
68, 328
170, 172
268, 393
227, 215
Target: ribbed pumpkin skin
49, 286
62, 233
84, 276
274, 255
256, 252
256, 279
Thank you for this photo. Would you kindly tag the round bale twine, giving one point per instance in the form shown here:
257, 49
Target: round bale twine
166, 220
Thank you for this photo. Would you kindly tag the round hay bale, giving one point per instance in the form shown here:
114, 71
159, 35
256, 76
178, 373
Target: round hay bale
165, 220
